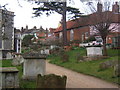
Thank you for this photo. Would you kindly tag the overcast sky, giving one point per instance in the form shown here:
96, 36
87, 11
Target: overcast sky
23, 14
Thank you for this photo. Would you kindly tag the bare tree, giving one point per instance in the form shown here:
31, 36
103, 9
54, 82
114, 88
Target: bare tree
103, 22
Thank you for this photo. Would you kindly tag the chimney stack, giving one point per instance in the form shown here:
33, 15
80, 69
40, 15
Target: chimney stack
115, 8
99, 7
26, 27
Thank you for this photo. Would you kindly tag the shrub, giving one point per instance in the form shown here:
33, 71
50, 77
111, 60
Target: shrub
27, 40
91, 38
57, 51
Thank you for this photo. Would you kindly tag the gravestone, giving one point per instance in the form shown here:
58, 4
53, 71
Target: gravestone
47, 52
18, 60
0, 55
34, 64
9, 76
9, 55
94, 51
42, 52
117, 70
51, 81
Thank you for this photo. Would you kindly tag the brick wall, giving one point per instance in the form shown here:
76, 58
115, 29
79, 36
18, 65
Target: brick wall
81, 31
77, 33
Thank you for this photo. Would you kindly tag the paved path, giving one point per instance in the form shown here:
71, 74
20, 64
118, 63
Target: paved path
77, 80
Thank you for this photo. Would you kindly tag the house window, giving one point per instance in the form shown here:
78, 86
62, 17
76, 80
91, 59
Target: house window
82, 37
86, 35
60, 35
71, 35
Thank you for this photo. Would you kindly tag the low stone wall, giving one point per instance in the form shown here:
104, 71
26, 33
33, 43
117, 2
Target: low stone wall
9, 77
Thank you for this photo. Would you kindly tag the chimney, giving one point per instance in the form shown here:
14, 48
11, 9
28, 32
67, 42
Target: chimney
46, 32
99, 7
34, 27
26, 27
115, 8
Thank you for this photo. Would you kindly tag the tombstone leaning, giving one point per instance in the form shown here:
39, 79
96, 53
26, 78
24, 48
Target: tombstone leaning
51, 81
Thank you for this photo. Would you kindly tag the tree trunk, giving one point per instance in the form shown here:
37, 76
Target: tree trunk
104, 47
64, 25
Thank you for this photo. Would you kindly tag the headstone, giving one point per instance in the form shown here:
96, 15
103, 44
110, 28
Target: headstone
51, 81
94, 51
0, 55
9, 55
117, 70
9, 76
42, 51
18, 60
34, 64
47, 51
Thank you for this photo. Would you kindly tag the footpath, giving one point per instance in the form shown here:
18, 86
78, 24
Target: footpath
78, 80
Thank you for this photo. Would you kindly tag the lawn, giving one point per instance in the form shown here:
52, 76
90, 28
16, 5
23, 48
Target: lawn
88, 67
23, 83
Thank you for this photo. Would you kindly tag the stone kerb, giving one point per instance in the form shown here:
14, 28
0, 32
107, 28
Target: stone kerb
9, 77
34, 64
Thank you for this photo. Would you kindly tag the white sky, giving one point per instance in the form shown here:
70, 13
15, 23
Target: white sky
23, 15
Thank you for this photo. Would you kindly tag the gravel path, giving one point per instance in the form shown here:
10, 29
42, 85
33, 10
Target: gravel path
77, 80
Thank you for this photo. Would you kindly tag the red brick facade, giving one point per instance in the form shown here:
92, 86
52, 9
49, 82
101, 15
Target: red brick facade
81, 26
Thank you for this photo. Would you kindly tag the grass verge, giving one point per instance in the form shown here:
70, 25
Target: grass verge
88, 67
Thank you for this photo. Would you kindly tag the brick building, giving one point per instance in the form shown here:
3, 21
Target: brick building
80, 29
75, 31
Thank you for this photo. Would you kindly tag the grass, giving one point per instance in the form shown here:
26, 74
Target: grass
88, 67
23, 83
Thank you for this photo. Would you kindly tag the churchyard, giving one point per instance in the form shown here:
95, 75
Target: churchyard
75, 59
103, 68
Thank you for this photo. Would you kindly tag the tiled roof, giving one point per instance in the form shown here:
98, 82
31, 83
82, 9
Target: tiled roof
70, 24
88, 20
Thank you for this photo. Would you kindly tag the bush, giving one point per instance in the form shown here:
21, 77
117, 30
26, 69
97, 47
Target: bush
27, 40
92, 38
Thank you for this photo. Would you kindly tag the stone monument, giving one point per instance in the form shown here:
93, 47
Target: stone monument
34, 64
